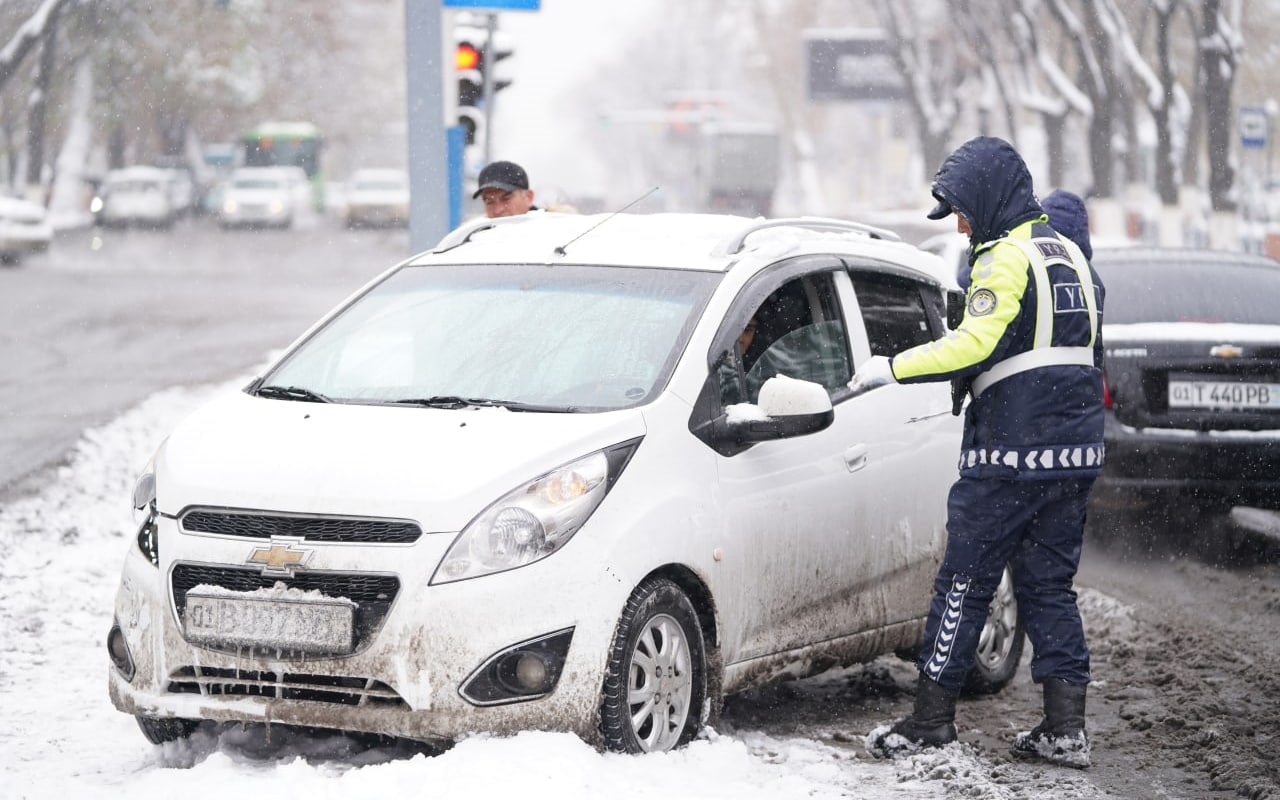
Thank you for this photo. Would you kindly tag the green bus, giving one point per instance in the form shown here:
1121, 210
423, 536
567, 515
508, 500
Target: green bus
286, 144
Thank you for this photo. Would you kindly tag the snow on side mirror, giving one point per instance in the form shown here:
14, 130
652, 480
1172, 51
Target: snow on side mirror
781, 396
787, 407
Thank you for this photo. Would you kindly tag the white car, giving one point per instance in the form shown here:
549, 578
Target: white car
24, 229
138, 195
265, 197
377, 198
530, 480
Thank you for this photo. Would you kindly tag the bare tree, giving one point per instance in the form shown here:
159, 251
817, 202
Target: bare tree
1219, 44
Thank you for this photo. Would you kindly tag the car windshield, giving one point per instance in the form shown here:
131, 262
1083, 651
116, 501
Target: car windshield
258, 183
519, 335
1180, 289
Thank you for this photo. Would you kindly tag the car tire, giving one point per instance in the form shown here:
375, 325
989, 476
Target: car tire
1000, 644
656, 680
159, 730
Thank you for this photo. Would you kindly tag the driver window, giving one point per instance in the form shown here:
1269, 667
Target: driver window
798, 332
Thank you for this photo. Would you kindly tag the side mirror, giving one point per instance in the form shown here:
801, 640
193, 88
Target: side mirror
787, 407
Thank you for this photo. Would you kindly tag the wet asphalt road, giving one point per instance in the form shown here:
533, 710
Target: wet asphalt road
106, 318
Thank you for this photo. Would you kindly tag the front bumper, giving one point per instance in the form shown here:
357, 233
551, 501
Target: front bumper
403, 680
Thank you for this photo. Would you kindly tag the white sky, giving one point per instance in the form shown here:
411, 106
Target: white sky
540, 121
60, 737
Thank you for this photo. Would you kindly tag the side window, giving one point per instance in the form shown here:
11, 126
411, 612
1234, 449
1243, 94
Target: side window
798, 332
893, 311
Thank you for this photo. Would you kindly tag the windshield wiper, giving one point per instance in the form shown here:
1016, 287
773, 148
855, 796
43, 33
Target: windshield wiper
453, 401
291, 393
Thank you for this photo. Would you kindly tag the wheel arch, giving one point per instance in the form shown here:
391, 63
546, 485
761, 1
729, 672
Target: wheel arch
704, 604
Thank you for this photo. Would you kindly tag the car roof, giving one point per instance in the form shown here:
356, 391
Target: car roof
140, 172
379, 172
1144, 254
709, 242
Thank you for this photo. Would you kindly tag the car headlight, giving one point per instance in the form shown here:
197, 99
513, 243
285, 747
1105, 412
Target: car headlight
534, 520
230, 206
144, 499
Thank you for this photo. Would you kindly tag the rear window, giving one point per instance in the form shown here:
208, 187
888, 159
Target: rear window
1178, 288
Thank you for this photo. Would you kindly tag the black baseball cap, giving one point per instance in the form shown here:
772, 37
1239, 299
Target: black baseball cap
942, 209
505, 175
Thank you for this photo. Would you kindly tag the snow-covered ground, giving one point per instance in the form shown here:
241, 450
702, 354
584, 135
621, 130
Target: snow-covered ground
61, 738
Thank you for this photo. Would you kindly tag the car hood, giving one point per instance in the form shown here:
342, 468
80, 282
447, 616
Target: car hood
438, 466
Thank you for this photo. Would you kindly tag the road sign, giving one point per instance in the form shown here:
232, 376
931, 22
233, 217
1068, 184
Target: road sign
1254, 127
852, 65
495, 5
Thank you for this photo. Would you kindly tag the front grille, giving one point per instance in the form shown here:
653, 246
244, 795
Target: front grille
340, 690
256, 525
372, 594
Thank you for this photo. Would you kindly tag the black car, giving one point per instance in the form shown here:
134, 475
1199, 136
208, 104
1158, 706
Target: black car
1192, 384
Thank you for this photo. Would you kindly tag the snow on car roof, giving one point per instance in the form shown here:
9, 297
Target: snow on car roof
713, 242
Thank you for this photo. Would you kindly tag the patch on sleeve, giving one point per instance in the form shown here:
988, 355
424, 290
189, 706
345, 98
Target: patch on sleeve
982, 302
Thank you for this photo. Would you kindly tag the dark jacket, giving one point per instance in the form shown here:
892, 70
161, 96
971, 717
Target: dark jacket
1044, 422
1069, 217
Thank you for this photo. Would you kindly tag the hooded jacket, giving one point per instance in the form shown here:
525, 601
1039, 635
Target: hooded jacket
1042, 421
1069, 217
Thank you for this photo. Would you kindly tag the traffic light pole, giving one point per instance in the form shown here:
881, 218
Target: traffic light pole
490, 62
428, 181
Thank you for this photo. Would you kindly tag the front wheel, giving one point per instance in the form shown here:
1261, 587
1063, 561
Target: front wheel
656, 681
1000, 643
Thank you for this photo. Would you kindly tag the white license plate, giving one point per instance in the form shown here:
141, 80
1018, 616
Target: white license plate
1224, 395
308, 626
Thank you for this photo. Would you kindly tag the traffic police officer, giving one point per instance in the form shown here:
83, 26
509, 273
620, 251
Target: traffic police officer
1029, 354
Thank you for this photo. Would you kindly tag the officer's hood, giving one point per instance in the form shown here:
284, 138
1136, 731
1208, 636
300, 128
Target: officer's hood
988, 182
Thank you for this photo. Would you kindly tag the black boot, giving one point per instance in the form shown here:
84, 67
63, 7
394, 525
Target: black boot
931, 724
1060, 737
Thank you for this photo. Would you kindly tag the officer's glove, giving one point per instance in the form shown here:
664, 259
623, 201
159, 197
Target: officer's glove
876, 371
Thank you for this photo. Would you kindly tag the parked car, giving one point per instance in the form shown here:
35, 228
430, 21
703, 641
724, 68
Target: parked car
1192, 384
139, 195
530, 479
377, 198
24, 229
265, 197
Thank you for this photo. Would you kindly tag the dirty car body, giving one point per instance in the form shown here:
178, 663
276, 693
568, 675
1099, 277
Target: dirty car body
529, 480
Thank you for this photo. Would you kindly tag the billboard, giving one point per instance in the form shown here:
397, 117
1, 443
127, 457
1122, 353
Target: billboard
852, 65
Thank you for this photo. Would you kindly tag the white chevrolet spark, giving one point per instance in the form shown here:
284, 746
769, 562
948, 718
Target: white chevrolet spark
562, 472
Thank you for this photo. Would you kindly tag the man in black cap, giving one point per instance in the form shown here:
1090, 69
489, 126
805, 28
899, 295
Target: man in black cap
504, 188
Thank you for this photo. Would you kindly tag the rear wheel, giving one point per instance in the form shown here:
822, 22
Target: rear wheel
1000, 643
656, 681
159, 730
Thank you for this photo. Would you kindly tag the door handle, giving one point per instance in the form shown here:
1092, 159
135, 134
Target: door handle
855, 458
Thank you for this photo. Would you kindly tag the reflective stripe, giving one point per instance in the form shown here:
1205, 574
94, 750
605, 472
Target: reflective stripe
1033, 359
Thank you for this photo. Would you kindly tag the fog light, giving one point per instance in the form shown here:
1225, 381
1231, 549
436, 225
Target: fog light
531, 673
524, 671
118, 651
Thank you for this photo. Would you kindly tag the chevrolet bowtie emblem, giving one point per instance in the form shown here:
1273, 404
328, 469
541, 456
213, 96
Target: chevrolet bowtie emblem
280, 557
1226, 351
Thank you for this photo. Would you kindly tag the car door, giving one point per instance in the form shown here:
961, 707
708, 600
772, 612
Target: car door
793, 570
912, 438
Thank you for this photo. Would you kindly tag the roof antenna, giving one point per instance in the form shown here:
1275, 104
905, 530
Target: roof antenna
560, 251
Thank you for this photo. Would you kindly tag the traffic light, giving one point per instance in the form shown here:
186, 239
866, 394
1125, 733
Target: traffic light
477, 50
467, 61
